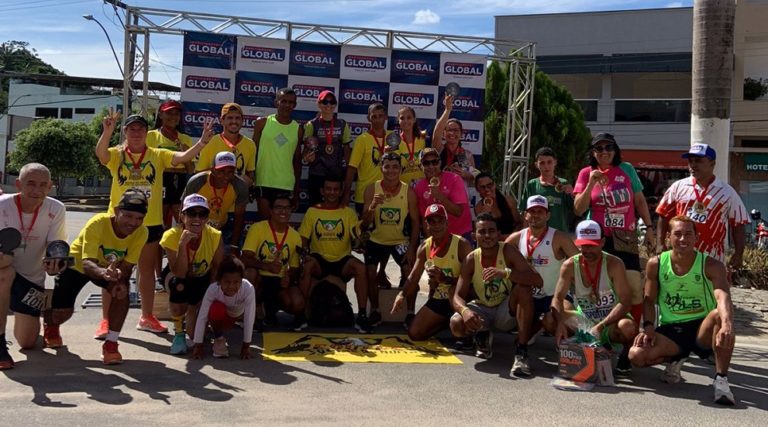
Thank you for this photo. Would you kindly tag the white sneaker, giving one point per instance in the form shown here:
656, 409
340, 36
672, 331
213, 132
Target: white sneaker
723, 395
671, 374
521, 367
220, 348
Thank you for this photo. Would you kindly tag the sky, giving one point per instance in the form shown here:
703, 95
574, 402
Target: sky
61, 36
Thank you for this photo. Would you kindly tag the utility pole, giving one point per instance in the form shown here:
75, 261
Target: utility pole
713, 22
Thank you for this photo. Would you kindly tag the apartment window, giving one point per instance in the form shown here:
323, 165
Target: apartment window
66, 113
85, 111
589, 107
47, 113
678, 110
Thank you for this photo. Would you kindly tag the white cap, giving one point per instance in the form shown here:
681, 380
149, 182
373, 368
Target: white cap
225, 159
588, 233
537, 201
195, 200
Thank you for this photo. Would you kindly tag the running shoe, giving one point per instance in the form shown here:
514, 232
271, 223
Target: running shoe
374, 318
723, 395
220, 348
6, 361
463, 344
484, 344
109, 353
179, 344
521, 367
299, 323
362, 324
151, 324
52, 337
623, 367
671, 374
103, 329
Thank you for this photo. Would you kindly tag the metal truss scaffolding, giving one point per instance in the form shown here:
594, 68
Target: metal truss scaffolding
141, 22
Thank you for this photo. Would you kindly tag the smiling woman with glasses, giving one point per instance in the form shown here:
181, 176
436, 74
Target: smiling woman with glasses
502, 208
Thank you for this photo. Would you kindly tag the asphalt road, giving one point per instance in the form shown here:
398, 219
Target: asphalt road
71, 387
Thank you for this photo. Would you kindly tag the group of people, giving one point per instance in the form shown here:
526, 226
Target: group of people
515, 265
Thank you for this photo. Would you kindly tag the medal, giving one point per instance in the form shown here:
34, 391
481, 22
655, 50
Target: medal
488, 201
329, 149
698, 205
428, 264
452, 89
411, 163
25, 232
329, 139
393, 141
594, 281
558, 186
699, 208
434, 181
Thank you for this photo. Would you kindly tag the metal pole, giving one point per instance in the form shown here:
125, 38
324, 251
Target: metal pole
145, 83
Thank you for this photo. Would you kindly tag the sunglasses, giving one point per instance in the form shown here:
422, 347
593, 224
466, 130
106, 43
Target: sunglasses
196, 213
327, 102
430, 162
607, 148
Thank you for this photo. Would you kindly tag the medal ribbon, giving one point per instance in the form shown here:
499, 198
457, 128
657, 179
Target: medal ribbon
390, 193
411, 147
532, 247
171, 134
278, 246
379, 145
26, 232
434, 250
700, 197
593, 280
231, 146
136, 165
329, 135
216, 194
192, 248
493, 264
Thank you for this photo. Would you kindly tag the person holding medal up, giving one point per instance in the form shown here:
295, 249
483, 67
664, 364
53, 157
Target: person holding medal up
413, 139
40, 220
326, 146
558, 191
441, 256
133, 164
390, 204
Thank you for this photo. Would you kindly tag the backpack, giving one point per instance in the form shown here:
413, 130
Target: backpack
329, 306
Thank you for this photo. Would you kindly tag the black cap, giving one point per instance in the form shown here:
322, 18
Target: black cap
603, 136
133, 118
133, 200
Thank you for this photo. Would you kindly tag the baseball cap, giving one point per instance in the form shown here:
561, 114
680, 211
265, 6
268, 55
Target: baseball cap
603, 136
537, 201
133, 200
427, 151
170, 105
229, 107
134, 118
195, 200
224, 159
588, 233
435, 209
701, 150
325, 93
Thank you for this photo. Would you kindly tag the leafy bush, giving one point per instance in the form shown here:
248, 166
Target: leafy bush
755, 271
754, 88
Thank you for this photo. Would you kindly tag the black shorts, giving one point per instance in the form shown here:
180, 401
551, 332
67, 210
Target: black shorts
314, 184
271, 193
155, 233
359, 208
541, 306
69, 283
269, 294
26, 297
188, 290
332, 268
440, 306
684, 335
173, 187
631, 261
375, 253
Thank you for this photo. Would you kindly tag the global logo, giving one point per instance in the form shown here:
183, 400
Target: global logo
219, 84
357, 129
261, 52
413, 98
466, 103
414, 66
249, 121
463, 69
208, 48
254, 87
362, 95
198, 118
313, 58
365, 62
310, 91
470, 136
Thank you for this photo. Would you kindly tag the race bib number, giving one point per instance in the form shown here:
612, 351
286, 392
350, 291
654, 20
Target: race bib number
697, 216
442, 291
614, 220
598, 308
34, 299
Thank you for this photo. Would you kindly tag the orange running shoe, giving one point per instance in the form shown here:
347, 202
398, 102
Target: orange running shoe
101, 332
52, 336
109, 353
151, 324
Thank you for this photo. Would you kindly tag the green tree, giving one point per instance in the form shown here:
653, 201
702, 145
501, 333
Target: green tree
16, 56
557, 122
65, 147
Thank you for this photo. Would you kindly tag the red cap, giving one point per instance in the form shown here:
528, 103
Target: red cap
436, 209
170, 105
323, 94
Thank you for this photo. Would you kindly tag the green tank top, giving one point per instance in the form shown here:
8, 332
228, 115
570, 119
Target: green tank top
684, 298
274, 160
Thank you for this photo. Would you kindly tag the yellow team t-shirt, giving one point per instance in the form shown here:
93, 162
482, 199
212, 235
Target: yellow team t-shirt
202, 258
156, 139
329, 231
97, 240
390, 217
148, 178
261, 242
411, 167
221, 202
245, 153
366, 154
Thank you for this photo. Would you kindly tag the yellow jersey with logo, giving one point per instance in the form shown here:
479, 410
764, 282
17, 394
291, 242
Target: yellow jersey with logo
261, 242
390, 217
365, 158
411, 166
220, 200
329, 231
148, 178
493, 293
202, 258
98, 241
450, 264
156, 139
244, 151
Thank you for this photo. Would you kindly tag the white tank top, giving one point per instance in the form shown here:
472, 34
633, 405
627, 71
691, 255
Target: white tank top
594, 305
543, 261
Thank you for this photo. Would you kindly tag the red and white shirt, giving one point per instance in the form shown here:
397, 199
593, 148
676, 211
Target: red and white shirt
723, 208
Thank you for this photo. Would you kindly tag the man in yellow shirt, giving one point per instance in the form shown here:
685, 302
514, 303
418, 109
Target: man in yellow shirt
328, 230
365, 160
230, 140
105, 252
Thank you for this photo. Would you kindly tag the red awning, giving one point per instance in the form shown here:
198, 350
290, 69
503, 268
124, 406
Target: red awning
648, 159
